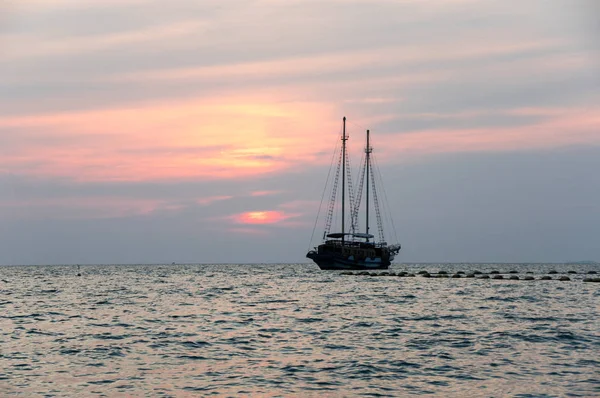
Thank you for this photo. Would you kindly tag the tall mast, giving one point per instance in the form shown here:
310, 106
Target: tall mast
343, 177
367, 160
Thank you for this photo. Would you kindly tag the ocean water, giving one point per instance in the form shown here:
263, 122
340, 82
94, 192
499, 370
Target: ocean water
292, 330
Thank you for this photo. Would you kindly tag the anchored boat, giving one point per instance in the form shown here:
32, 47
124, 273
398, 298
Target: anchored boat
352, 249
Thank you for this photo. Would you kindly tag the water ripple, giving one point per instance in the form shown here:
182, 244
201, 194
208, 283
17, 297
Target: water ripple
291, 330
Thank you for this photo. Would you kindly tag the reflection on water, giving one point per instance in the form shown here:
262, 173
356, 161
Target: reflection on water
279, 330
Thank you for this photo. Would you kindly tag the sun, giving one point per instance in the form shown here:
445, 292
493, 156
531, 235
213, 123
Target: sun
260, 217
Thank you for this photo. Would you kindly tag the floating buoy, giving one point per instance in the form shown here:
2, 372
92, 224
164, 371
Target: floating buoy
546, 278
498, 277
529, 278
514, 278
564, 278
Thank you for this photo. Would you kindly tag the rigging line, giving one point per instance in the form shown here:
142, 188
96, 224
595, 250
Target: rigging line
333, 196
359, 190
376, 205
386, 203
350, 191
323, 195
357, 125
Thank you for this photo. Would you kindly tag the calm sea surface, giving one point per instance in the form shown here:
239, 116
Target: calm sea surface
292, 330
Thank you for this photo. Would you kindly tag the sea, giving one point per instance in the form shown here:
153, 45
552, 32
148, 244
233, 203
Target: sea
291, 330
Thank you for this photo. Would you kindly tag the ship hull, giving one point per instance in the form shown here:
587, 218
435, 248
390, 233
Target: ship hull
332, 262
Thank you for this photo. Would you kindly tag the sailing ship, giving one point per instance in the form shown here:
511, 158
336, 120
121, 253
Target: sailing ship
353, 250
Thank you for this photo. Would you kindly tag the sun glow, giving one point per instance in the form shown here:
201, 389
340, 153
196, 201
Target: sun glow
261, 217
210, 138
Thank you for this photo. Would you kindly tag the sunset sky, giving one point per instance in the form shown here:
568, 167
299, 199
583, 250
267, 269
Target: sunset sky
144, 131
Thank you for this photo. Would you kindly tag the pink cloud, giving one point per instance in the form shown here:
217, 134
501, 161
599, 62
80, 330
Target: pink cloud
265, 193
98, 207
562, 127
211, 199
237, 137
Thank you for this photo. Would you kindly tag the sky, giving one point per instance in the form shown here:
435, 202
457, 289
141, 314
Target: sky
139, 131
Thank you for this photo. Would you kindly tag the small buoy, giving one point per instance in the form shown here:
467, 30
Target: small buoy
494, 273
457, 276
498, 277
513, 272
514, 278
546, 278
552, 272
484, 277
78, 274
529, 278
572, 272
470, 276
564, 278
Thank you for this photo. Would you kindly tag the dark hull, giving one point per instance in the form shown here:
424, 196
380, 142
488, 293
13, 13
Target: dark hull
329, 261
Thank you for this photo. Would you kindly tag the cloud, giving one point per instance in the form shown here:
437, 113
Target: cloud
132, 116
212, 199
265, 193
87, 208
233, 137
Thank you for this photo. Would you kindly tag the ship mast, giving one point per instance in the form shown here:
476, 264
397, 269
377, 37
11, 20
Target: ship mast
343, 177
367, 160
